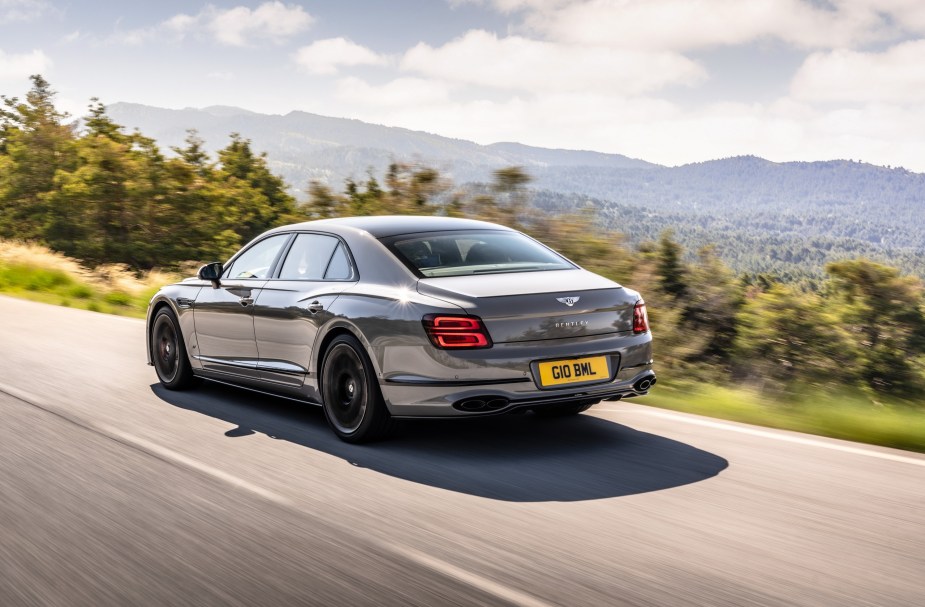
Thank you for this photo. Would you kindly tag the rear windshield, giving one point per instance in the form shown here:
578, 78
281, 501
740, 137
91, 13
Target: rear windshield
473, 252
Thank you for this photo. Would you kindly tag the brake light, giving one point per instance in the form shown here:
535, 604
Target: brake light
640, 318
454, 332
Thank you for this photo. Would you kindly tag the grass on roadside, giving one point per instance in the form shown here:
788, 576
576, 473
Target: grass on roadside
36, 273
848, 416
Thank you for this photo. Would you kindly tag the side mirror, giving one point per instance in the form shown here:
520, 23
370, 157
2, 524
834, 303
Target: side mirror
212, 272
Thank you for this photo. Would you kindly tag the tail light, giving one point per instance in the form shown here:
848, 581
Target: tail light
455, 332
640, 318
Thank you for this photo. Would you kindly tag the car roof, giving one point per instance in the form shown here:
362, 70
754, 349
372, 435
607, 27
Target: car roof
392, 225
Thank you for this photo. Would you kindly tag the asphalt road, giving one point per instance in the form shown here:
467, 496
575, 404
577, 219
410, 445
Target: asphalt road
115, 492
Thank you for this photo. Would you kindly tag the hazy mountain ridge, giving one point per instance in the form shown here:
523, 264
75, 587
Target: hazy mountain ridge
304, 146
766, 216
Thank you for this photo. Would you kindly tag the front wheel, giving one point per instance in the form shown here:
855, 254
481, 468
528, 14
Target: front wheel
168, 352
353, 404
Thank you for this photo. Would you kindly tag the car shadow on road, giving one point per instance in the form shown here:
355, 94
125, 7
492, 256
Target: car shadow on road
517, 458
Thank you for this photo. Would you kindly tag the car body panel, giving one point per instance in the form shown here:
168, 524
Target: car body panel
276, 343
287, 317
224, 322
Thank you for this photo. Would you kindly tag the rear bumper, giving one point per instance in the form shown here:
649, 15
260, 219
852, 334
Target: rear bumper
507, 383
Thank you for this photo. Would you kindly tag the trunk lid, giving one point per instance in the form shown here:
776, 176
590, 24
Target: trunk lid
532, 306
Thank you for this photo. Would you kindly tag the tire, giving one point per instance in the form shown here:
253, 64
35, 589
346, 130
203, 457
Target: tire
350, 394
168, 352
562, 410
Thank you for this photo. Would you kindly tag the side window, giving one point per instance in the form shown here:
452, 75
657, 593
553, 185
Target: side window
340, 267
257, 260
308, 257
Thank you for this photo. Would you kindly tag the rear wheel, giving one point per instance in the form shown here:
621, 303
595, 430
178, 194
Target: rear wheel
353, 404
563, 410
168, 352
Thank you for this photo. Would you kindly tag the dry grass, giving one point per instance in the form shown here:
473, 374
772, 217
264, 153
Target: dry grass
37, 273
110, 277
28, 254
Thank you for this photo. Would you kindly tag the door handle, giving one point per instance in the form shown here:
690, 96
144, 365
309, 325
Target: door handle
315, 307
246, 301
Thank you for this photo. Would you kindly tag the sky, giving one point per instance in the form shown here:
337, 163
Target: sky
668, 81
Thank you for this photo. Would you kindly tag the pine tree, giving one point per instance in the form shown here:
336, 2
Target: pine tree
35, 142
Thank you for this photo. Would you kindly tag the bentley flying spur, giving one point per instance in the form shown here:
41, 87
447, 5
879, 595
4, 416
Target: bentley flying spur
377, 318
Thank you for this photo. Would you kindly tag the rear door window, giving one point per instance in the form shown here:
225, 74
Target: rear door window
340, 267
309, 256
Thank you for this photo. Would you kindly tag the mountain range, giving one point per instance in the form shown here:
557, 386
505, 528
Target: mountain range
765, 216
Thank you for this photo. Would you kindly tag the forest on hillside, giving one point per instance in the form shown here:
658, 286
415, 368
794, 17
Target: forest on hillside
102, 195
791, 246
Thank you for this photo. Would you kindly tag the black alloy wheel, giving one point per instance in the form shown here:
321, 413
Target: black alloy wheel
353, 404
168, 352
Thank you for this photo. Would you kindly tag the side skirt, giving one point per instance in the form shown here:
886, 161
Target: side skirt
306, 401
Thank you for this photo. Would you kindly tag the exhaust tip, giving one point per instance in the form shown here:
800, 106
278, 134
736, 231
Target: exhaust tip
497, 403
644, 384
473, 404
482, 403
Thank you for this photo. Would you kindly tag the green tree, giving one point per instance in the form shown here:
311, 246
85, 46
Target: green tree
193, 214
323, 203
883, 313
194, 153
412, 189
579, 237
262, 201
786, 337
712, 298
35, 142
511, 197
409, 189
105, 209
671, 271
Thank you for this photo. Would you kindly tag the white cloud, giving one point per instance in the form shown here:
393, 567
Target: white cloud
326, 56
681, 24
21, 10
180, 24
518, 63
896, 75
20, 66
272, 20
510, 6
237, 26
645, 127
897, 15
687, 24
400, 92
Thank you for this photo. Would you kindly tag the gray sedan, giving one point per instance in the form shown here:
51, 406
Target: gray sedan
376, 318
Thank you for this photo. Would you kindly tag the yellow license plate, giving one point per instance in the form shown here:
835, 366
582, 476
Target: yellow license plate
574, 371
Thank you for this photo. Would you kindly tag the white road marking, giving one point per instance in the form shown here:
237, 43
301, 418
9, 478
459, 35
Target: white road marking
189, 462
775, 435
142, 444
19, 394
484, 584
